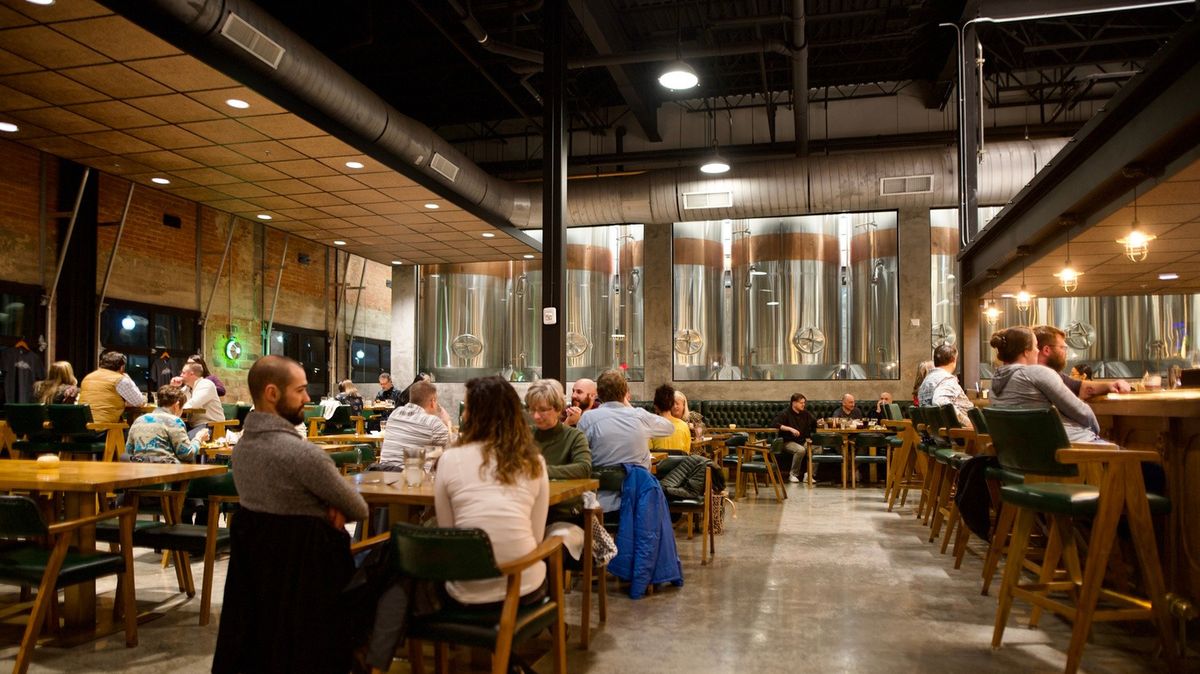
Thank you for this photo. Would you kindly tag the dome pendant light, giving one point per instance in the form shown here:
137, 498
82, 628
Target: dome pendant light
1137, 242
715, 163
678, 76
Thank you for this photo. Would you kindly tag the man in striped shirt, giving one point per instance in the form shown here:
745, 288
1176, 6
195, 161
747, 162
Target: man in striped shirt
420, 423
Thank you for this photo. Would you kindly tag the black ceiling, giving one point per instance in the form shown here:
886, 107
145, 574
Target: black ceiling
423, 59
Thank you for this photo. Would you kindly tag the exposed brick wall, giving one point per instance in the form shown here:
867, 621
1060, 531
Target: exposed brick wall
303, 292
19, 170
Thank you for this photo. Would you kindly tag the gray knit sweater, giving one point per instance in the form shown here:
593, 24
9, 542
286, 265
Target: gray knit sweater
1039, 387
278, 472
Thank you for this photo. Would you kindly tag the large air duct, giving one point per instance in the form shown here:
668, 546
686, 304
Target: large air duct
245, 42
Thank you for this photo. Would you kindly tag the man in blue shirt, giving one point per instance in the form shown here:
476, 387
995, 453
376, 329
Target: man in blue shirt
618, 433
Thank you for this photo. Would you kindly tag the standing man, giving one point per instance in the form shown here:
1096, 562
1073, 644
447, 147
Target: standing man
1052, 352
109, 390
795, 425
848, 410
618, 433
289, 550
204, 399
387, 391
583, 398
941, 387
420, 423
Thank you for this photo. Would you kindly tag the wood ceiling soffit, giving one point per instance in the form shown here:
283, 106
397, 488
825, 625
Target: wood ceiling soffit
169, 137
215, 156
10, 63
117, 38
224, 131
244, 190
182, 73
51, 86
48, 48
286, 127
115, 114
59, 120
175, 108
117, 81
319, 199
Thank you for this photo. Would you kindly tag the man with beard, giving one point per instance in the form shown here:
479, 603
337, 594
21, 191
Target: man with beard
1052, 352
583, 398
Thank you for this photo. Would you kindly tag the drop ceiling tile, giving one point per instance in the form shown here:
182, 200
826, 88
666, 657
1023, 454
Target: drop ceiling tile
303, 168
388, 208
411, 219
288, 187
327, 224
116, 142
201, 194
11, 63
63, 11
275, 202
390, 230
58, 120
175, 108
224, 131
118, 165
455, 216
234, 206
345, 211
320, 199
116, 80
267, 150
368, 220
310, 214
254, 172
414, 193
115, 114
25, 129
52, 88
288, 126
334, 183
369, 165
183, 73
11, 99
363, 197
164, 160
215, 155
117, 38
11, 18
206, 176
259, 105
68, 148
243, 190
48, 48
169, 137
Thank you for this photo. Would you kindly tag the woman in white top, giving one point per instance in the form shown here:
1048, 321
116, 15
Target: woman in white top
495, 480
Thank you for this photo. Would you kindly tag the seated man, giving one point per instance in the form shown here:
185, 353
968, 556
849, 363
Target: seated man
795, 425
879, 412
1052, 352
290, 553
388, 393
941, 387
848, 409
161, 436
420, 423
618, 433
109, 390
204, 399
583, 398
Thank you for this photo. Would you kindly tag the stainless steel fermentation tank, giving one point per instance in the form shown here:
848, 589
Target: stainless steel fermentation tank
699, 272
784, 298
873, 294
463, 333
589, 298
943, 247
628, 332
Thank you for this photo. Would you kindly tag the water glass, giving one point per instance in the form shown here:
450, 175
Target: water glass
414, 466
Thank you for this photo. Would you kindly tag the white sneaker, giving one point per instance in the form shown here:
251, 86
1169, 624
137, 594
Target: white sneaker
793, 478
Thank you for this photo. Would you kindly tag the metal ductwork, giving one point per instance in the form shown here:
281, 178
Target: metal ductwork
242, 40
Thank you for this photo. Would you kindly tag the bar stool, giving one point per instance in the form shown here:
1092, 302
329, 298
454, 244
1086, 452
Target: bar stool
1034, 442
823, 441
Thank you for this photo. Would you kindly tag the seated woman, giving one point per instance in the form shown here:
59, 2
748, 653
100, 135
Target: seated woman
1021, 383
564, 448
494, 480
665, 406
161, 436
59, 387
348, 395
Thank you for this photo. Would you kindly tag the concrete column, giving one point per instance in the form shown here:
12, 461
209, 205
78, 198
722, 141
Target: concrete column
404, 324
658, 288
916, 307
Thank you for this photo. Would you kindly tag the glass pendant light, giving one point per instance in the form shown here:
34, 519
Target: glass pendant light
1136, 242
1024, 299
1068, 277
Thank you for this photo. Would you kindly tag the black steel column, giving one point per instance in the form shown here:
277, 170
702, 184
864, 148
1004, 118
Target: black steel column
970, 123
554, 192
76, 301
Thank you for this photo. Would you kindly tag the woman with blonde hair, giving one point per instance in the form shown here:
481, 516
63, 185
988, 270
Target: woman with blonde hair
923, 371
59, 387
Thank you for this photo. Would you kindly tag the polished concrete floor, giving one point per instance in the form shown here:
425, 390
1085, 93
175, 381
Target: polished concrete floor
827, 582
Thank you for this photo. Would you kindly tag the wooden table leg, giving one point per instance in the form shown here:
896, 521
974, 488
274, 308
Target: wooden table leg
586, 560
80, 606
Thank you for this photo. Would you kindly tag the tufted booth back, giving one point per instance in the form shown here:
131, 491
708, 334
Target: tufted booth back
760, 413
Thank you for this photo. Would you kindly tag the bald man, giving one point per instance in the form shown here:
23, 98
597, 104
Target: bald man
583, 398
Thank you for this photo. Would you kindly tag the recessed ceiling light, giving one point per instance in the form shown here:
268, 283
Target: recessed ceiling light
237, 103
488, 235
263, 216
9, 127
528, 256
397, 261
45, 3
354, 164
772, 303
432, 206
1168, 276
160, 181
339, 242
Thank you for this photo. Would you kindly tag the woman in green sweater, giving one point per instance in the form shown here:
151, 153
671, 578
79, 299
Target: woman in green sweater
564, 448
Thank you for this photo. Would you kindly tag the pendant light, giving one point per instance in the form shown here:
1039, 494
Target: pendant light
715, 163
678, 75
1136, 242
1024, 299
1068, 277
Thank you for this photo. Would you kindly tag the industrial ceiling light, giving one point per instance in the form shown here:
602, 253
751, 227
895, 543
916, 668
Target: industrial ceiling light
678, 76
1023, 297
432, 206
488, 235
715, 163
528, 256
1137, 242
397, 262
992, 313
1068, 277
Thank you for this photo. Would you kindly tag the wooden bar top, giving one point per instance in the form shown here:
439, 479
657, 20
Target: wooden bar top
95, 476
378, 487
1176, 403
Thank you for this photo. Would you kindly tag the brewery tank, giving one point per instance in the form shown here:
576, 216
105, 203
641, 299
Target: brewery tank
590, 302
873, 306
699, 299
463, 333
943, 246
785, 297
524, 322
628, 333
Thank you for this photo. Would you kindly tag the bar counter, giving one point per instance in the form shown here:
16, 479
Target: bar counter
1167, 422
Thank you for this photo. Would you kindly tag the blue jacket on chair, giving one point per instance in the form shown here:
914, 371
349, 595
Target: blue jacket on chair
645, 540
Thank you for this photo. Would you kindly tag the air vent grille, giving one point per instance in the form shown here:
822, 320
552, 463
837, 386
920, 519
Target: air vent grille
444, 166
241, 33
693, 200
890, 187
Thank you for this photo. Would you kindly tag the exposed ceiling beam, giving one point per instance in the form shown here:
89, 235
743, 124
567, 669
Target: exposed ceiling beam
604, 31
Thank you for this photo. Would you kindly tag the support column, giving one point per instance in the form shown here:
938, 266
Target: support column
75, 306
554, 190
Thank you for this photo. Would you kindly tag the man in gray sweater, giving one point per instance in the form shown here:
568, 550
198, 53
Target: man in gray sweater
275, 470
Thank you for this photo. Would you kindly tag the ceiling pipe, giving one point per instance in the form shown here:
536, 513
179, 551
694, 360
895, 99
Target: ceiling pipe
653, 55
800, 78
481, 36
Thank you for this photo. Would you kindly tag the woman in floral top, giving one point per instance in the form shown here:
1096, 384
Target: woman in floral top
161, 436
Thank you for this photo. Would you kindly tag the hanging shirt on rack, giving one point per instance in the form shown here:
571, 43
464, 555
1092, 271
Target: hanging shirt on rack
21, 369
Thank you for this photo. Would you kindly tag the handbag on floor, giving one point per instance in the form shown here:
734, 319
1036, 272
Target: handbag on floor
719, 499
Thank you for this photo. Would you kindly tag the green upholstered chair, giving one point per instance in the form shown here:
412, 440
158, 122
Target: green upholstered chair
354, 460
339, 422
27, 421
863, 444
434, 554
693, 507
71, 426
824, 448
730, 461
758, 460
948, 460
1033, 442
25, 561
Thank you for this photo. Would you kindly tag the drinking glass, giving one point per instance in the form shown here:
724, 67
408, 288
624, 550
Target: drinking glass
414, 466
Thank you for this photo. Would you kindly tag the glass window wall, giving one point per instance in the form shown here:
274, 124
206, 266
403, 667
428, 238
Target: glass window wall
944, 290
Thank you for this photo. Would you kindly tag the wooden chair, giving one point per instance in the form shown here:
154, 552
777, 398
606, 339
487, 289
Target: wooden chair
435, 554
692, 507
903, 474
231, 421
950, 460
1033, 441
25, 561
27, 422
750, 466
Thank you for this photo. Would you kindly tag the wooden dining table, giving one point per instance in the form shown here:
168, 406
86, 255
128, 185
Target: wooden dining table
343, 438
225, 451
848, 438
81, 483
